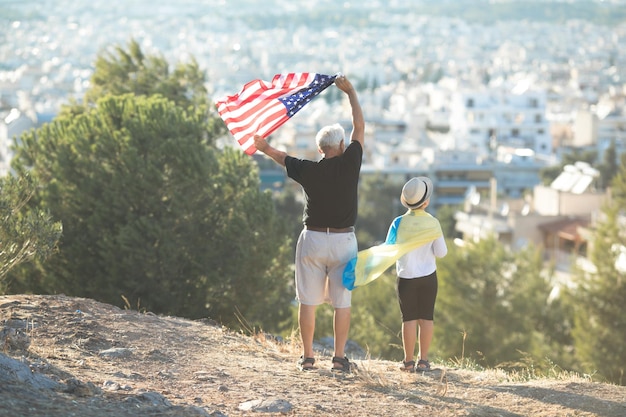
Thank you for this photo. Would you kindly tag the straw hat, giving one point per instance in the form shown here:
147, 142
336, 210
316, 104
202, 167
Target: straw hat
416, 191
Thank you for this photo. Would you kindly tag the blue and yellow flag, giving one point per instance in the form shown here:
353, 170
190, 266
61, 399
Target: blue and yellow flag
370, 263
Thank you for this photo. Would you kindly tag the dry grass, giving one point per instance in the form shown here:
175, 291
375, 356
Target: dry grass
205, 369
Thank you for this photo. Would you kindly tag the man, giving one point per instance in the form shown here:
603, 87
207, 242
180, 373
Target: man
328, 241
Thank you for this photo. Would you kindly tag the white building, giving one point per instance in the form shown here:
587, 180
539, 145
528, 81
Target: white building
554, 218
599, 127
12, 124
483, 120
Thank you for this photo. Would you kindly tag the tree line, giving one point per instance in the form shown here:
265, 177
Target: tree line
127, 198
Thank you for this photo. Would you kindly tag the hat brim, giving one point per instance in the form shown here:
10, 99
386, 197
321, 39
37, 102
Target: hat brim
429, 192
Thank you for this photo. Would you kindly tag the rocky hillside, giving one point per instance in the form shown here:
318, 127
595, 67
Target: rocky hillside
66, 356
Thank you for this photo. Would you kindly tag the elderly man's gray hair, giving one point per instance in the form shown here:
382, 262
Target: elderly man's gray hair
330, 137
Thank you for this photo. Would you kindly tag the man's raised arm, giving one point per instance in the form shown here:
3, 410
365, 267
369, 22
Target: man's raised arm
262, 145
358, 122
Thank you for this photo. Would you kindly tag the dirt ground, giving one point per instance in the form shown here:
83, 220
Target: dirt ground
85, 358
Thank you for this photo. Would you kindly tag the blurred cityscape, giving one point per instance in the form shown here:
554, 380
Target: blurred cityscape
478, 95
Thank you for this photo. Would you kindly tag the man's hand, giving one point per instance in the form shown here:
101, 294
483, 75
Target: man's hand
260, 143
344, 84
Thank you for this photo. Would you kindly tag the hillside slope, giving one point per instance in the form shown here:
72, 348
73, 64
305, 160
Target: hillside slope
68, 356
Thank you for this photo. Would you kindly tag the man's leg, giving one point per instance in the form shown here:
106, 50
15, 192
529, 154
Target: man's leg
341, 327
306, 320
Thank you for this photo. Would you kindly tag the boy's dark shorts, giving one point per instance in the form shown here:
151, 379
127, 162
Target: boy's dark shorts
417, 297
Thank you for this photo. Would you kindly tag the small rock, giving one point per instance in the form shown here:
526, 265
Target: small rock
267, 406
116, 353
111, 386
202, 376
155, 399
164, 374
81, 389
14, 338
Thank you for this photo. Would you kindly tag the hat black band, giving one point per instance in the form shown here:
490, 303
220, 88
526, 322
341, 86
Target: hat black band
419, 203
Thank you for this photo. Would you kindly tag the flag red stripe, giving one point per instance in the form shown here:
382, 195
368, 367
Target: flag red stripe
248, 125
256, 109
254, 96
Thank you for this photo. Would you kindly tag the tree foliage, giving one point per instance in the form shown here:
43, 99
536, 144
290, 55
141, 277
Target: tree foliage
155, 215
152, 213
608, 167
618, 185
290, 208
378, 322
445, 215
493, 305
379, 204
120, 71
24, 234
600, 296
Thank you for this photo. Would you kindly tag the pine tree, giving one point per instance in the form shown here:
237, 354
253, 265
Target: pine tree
154, 215
599, 298
24, 234
119, 71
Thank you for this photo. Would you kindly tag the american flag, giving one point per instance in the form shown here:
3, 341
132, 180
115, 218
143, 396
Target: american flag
261, 107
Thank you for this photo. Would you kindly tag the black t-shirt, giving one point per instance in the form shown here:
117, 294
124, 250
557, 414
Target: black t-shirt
330, 187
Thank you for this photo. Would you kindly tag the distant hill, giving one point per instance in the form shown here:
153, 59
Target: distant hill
486, 11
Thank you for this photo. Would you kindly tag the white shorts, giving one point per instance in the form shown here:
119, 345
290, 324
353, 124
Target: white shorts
320, 260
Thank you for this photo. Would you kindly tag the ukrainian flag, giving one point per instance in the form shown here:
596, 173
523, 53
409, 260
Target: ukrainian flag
370, 263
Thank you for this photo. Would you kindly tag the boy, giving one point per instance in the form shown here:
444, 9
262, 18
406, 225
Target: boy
416, 272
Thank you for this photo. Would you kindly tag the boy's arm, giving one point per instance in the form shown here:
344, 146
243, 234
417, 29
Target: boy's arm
440, 249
